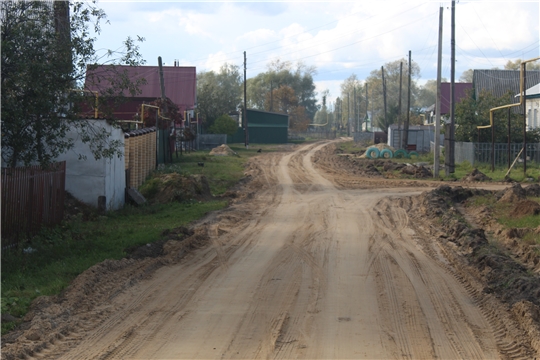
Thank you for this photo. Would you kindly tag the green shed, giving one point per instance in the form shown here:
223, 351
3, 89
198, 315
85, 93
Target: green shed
264, 128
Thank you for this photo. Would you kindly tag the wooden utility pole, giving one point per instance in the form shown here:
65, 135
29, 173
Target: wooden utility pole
399, 103
355, 119
524, 118
246, 131
450, 146
165, 109
384, 94
406, 127
438, 100
367, 105
349, 113
509, 132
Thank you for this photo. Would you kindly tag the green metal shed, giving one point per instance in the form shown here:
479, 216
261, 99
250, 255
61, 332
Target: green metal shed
264, 128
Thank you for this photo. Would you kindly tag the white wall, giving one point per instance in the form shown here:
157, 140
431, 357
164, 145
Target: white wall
87, 179
533, 113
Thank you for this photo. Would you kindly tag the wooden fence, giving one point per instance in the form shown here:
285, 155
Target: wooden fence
31, 198
140, 155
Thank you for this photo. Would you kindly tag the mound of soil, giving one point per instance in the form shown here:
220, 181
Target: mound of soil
525, 207
392, 166
533, 190
505, 277
180, 188
155, 249
476, 175
419, 172
513, 194
222, 150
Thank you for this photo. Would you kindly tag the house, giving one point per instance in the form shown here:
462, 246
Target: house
532, 95
180, 84
264, 127
461, 91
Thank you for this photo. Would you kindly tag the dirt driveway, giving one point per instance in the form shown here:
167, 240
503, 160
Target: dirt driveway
308, 265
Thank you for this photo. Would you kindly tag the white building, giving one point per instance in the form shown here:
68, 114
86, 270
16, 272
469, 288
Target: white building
532, 106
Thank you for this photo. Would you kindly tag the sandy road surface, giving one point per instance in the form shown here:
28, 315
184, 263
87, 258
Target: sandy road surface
311, 272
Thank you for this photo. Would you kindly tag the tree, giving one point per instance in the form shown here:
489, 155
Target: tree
224, 125
45, 53
284, 100
350, 88
391, 75
467, 76
427, 94
471, 113
281, 74
516, 65
218, 93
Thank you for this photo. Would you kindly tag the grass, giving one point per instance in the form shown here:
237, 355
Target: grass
60, 254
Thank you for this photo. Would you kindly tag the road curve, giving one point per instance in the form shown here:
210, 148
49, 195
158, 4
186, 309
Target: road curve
313, 272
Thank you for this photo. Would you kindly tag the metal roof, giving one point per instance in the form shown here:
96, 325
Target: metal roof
499, 82
460, 92
180, 82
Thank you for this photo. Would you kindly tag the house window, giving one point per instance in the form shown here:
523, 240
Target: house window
535, 118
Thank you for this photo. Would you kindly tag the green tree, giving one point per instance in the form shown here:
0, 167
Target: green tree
45, 51
224, 125
218, 93
280, 74
471, 113
353, 108
391, 76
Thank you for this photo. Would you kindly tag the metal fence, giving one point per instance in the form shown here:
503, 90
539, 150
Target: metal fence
481, 153
318, 135
210, 141
31, 197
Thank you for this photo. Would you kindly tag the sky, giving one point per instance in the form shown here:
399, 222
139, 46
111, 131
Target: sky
338, 38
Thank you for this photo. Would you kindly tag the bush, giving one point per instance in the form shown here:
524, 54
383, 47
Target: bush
224, 125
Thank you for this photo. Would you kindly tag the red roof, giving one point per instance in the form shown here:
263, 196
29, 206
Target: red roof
460, 91
180, 82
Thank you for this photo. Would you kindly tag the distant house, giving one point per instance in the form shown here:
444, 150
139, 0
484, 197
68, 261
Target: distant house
532, 95
180, 86
264, 127
461, 90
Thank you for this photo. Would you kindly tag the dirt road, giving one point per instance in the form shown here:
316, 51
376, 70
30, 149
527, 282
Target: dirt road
304, 269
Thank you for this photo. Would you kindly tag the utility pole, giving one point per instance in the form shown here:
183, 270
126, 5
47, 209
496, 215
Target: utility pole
348, 113
399, 103
367, 106
450, 156
384, 94
524, 118
406, 127
246, 131
165, 110
438, 100
355, 119
271, 95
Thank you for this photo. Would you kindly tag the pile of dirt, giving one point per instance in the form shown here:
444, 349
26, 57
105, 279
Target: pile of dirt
476, 175
392, 166
164, 188
418, 171
533, 190
222, 150
513, 194
502, 275
524, 208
